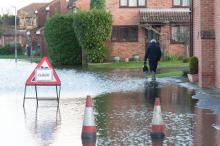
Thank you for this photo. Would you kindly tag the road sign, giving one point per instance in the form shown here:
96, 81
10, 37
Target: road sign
44, 74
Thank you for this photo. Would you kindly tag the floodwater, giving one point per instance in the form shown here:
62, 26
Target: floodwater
123, 105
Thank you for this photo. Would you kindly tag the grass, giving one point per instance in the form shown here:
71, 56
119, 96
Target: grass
167, 68
133, 65
12, 57
170, 74
34, 59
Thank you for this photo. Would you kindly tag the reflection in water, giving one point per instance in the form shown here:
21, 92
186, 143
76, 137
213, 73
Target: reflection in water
204, 133
125, 118
151, 92
45, 128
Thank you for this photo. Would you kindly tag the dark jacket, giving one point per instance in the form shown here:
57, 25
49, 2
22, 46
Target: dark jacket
153, 52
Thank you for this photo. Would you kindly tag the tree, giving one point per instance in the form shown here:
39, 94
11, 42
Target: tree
92, 29
63, 45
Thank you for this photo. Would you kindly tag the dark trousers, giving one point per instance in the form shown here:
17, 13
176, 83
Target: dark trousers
153, 65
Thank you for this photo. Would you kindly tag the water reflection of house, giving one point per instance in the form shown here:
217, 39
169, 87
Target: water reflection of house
135, 22
204, 133
33, 18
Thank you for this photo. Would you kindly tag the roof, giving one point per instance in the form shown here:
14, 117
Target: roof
163, 15
30, 9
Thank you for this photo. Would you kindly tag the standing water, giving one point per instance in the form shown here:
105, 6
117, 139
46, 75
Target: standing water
123, 108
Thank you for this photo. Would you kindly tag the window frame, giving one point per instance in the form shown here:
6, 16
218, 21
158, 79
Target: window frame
177, 25
138, 6
28, 21
181, 4
119, 33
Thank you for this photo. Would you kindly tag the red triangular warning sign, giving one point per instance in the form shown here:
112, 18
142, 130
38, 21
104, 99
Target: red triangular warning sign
44, 74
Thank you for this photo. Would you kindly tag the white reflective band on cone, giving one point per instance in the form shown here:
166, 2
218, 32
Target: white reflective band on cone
89, 119
157, 117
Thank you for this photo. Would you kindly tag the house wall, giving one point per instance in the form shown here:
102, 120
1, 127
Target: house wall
130, 16
217, 43
83, 5
204, 46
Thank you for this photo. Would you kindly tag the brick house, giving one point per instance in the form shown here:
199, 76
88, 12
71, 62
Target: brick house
33, 18
206, 32
135, 22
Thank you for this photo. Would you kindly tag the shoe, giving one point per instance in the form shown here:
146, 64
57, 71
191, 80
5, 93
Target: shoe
153, 76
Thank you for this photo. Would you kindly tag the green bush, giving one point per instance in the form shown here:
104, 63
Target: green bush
97, 55
92, 29
62, 43
9, 49
5, 50
193, 65
97, 4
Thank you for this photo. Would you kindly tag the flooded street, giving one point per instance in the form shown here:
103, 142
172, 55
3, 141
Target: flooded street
123, 108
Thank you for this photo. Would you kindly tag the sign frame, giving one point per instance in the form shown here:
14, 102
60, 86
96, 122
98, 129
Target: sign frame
44, 64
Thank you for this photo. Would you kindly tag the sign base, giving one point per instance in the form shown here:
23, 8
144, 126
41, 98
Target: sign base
57, 98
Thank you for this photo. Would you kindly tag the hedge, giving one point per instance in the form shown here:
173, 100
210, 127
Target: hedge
63, 46
92, 29
97, 4
9, 49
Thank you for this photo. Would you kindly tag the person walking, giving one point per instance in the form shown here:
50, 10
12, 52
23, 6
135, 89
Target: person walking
153, 54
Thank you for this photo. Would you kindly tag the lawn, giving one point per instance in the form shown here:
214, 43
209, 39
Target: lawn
171, 68
34, 59
132, 64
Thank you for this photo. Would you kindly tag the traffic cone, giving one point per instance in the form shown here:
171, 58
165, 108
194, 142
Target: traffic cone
157, 122
157, 142
89, 126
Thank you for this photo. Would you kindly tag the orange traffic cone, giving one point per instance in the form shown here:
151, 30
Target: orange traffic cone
89, 126
157, 122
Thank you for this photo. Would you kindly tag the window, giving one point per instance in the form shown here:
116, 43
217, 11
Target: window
28, 21
181, 3
180, 34
125, 33
132, 3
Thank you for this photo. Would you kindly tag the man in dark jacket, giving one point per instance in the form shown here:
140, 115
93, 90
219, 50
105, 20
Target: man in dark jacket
153, 53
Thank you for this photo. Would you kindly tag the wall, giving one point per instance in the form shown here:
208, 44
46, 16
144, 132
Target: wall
130, 16
204, 48
217, 43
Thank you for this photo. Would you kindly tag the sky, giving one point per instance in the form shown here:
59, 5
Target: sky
7, 6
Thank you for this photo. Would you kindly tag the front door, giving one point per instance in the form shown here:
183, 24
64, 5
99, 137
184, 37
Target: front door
151, 34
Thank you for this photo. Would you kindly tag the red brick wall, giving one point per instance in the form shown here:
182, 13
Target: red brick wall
217, 43
130, 16
83, 4
204, 49
159, 3
170, 48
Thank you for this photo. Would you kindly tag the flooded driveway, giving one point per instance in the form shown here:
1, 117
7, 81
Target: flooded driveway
123, 106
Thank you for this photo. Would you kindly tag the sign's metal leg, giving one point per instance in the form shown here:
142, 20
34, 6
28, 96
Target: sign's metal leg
36, 94
59, 92
36, 113
24, 94
58, 95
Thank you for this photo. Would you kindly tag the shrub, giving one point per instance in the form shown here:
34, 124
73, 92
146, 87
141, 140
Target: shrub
97, 4
63, 45
92, 29
97, 55
184, 73
193, 65
9, 49
5, 50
